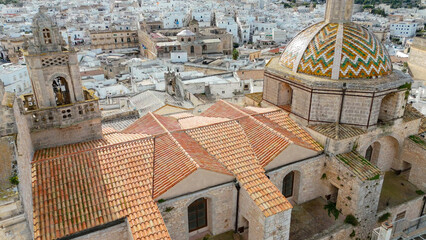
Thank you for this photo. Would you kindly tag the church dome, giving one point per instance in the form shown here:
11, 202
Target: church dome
337, 51
185, 33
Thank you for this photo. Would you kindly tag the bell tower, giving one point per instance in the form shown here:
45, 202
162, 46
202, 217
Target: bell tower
52, 65
59, 111
339, 11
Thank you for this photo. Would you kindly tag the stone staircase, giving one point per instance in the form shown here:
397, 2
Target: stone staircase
12, 220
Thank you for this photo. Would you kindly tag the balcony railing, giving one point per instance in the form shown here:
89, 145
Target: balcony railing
63, 116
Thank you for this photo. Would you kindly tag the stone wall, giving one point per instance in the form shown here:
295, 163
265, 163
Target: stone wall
278, 226
25, 152
7, 121
119, 231
411, 208
392, 106
356, 197
356, 109
80, 132
391, 139
415, 154
308, 184
325, 107
300, 102
418, 58
321, 101
7, 157
64, 116
221, 207
251, 216
270, 90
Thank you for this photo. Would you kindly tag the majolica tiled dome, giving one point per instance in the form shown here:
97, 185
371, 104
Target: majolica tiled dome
337, 51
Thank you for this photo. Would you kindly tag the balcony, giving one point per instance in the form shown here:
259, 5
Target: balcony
62, 116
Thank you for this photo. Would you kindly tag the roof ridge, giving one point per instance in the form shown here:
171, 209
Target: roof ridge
208, 152
175, 141
261, 123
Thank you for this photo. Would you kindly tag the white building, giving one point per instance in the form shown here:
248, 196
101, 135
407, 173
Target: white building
179, 56
15, 78
174, 20
230, 25
203, 17
279, 36
403, 29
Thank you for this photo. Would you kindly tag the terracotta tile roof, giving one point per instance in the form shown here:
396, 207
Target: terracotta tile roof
284, 121
80, 186
225, 110
120, 123
116, 177
229, 145
257, 97
181, 115
411, 113
266, 142
172, 164
344, 131
199, 154
261, 110
147, 124
199, 121
358, 165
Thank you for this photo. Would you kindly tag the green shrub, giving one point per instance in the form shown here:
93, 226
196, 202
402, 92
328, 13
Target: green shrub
331, 208
352, 234
14, 179
420, 192
351, 219
384, 217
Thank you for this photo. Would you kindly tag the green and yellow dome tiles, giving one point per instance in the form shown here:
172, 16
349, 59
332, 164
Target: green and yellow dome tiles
358, 52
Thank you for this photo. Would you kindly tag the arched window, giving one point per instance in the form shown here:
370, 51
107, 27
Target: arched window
60, 89
288, 185
369, 153
197, 214
192, 49
46, 36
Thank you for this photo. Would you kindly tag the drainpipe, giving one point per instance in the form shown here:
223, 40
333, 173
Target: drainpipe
341, 110
421, 212
341, 104
238, 187
423, 208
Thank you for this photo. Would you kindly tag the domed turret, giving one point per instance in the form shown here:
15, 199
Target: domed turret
336, 71
337, 48
337, 51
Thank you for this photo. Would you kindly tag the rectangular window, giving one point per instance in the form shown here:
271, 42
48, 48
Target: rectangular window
197, 214
288, 185
400, 216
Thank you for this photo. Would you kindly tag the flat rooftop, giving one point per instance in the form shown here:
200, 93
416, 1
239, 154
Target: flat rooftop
310, 218
396, 190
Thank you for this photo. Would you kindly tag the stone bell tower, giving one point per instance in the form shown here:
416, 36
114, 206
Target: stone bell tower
53, 66
339, 11
60, 111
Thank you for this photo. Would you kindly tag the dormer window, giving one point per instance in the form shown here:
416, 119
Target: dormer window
46, 36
